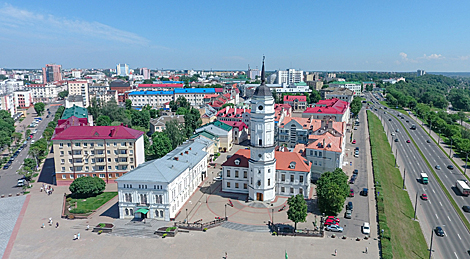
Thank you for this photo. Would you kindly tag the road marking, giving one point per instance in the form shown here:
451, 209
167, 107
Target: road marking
436, 216
441, 204
446, 176
456, 255
449, 218
433, 191
459, 236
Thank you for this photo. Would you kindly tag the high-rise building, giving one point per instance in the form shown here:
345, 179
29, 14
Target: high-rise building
289, 76
122, 69
51, 73
420, 72
145, 72
253, 73
79, 88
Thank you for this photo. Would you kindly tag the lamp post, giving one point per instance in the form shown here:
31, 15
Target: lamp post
273, 216
186, 215
450, 151
430, 246
404, 177
396, 153
416, 203
225, 211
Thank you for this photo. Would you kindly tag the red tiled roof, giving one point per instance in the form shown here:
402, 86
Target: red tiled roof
326, 142
219, 90
283, 160
162, 85
231, 113
291, 98
207, 96
236, 124
98, 132
330, 106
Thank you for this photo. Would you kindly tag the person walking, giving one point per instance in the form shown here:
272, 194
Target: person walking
366, 250
336, 252
42, 225
78, 235
87, 227
74, 236
57, 224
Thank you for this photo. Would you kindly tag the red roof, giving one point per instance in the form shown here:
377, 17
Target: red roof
219, 90
98, 132
232, 112
291, 98
218, 103
71, 121
207, 96
162, 85
330, 106
236, 124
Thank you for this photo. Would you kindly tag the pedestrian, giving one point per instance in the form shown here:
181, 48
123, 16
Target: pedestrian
336, 252
366, 250
74, 236
78, 235
41, 189
42, 225
225, 255
50, 221
57, 224
87, 227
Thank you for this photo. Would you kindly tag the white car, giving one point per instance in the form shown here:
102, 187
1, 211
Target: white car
334, 228
393, 133
366, 228
218, 178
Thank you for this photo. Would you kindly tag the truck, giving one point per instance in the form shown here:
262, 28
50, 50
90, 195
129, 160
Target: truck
413, 127
424, 178
463, 187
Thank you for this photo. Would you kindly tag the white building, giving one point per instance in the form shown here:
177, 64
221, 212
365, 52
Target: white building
356, 87
343, 94
158, 189
43, 92
7, 103
79, 88
122, 69
289, 76
23, 99
325, 154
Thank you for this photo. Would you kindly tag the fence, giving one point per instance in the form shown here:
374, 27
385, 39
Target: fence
201, 226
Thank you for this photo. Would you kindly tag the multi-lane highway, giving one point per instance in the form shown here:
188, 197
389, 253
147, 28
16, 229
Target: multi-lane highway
437, 211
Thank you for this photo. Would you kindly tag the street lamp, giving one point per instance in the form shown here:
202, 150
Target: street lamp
273, 216
430, 245
450, 151
416, 203
225, 211
186, 215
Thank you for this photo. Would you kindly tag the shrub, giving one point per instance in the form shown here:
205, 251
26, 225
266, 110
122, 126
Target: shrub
102, 225
78, 211
68, 199
87, 186
35, 175
170, 229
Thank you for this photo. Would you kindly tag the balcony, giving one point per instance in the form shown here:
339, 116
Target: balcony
99, 147
100, 162
100, 155
76, 148
122, 155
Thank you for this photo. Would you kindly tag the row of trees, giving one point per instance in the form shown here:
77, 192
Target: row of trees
7, 128
49, 130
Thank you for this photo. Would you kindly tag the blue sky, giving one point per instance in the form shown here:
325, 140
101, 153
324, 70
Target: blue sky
308, 35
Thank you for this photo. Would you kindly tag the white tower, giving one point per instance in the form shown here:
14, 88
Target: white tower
262, 164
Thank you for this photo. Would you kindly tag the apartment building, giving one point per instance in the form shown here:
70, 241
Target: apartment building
160, 87
79, 88
289, 76
23, 99
43, 92
296, 102
7, 103
343, 94
104, 96
329, 109
156, 99
51, 73
326, 153
356, 87
107, 152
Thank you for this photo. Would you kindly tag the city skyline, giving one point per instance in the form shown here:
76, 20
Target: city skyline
336, 36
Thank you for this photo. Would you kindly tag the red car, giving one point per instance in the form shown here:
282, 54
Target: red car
408, 141
354, 142
351, 193
330, 222
333, 218
424, 197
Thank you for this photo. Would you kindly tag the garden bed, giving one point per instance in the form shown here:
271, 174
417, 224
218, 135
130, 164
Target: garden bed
166, 231
104, 228
83, 207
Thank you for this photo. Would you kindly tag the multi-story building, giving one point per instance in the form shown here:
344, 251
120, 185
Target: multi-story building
317, 84
296, 102
223, 131
159, 188
289, 76
11, 85
343, 94
325, 154
122, 69
253, 73
145, 72
160, 87
195, 96
234, 114
104, 97
43, 92
107, 152
23, 99
121, 87
356, 87
420, 72
76, 73
239, 131
393, 80
158, 124
74, 100
79, 88
155, 99
329, 109
51, 73
7, 103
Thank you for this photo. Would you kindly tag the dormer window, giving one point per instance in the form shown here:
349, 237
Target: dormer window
292, 165
237, 161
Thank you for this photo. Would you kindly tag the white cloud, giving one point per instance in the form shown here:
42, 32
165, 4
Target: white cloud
433, 56
403, 55
13, 17
404, 58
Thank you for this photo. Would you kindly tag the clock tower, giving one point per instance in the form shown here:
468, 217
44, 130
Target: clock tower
262, 164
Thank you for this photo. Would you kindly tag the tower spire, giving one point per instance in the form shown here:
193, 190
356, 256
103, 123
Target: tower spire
263, 80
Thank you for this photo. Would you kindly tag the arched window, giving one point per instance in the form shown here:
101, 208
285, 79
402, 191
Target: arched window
156, 213
161, 214
127, 212
131, 211
259, 183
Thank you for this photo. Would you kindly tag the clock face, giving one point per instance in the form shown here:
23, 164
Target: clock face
259, 155
260, 107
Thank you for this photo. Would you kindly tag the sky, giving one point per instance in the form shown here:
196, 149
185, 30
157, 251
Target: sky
333, 35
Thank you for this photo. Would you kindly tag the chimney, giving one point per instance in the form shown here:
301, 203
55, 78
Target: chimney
181, 153
176, 158
186, 152
189, 148
330, 124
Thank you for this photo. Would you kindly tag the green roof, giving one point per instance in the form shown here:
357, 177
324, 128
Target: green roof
76, 111
300, 84
343, 83
222, 125
205, 134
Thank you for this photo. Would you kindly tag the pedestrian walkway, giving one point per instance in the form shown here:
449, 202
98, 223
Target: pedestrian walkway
9, 214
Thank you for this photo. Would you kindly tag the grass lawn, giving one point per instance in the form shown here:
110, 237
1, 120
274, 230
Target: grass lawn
90, 204
403, 237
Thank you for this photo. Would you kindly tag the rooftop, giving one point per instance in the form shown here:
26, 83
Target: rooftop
166, 85
345, 82
98, 132
76, 111
293, 98
327, 142
330, 106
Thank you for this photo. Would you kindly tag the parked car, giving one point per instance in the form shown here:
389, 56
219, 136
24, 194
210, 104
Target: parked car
364, 192
334, 228
424, 197
393, 133
348, 214
353, 179
354, 142
439, 231
333, 218
351, 193
355, 171
349, 206
428, 141
21, 182
466, 208
218, 178
397, 130
6, 166
330, 222
366, 228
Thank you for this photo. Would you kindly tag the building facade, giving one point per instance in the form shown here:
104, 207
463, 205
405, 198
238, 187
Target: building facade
51, 73
107, 152
43, 92
23, 99
289, 76
356, 87
122, 69
79, 88
329, 109
296, 102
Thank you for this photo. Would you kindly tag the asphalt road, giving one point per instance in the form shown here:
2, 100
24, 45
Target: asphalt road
437, 211
9, 178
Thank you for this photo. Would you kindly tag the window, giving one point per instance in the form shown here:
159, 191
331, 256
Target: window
228, 184
102, 175
283, 189
315, 153
236, 174
116, 167
236, 185
311, 152
245, 186
62, 161
61, 153
319, 153
291, 190
77, 144
283, 177
85, 144
68, 144
260, 142
101, 168
115, 144
110, 175
131, 151
64, 176
107, 144
61, 145
301, 179
117, 175
92, 144
70, 153
94, 175
228, 173
109, 152
71, 176
269, 181
109, 160
63, 169
292, 178
86, 168
259, 182
301, 191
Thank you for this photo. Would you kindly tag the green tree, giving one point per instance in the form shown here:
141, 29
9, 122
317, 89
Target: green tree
356, 105
153, 113
103, 120
47, 134
369, 87
161, 144
180, 102
332, 190
147, 81
140, 118
39, 108
63, 94
128, 104
88, 186
192, 121
297, 209
462, 116
182, 111
314, 96
29, 165
175, 132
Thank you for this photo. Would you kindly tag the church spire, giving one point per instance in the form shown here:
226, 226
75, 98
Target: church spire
263, 79
262, 90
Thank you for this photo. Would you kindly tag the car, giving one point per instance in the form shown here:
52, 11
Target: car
353, 179
393, 133
348, 214
330, 222
438, 167
466, 208
356, 171
21, 182
35, 131
389, 119
334, 228
464, 180
408, 141
451, 167
407, 121
349, 206
396, 140
428, 141
32, 141
5, 167
364, 192
439, 231
366, 228
355, 128
351, 193
47, 116
354, 142
424, 197
218, 178
397, 130
333, 218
